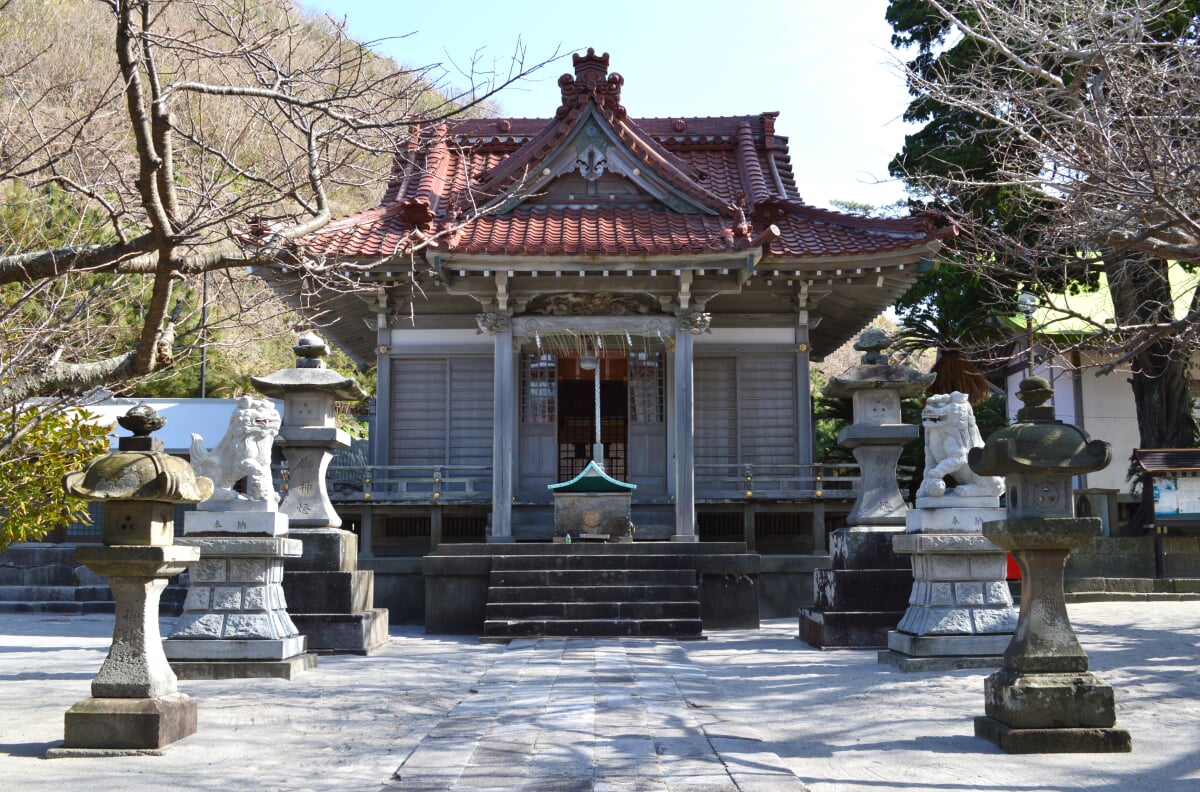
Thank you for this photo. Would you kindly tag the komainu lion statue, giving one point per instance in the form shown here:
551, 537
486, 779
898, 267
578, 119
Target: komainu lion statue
243, 453
950, 434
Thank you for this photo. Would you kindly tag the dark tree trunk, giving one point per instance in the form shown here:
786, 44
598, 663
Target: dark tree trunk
1141, 294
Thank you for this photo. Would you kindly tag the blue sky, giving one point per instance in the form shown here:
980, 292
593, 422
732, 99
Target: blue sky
825, 66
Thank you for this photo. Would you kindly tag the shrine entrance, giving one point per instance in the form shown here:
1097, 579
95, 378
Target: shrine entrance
578, 414
556, 433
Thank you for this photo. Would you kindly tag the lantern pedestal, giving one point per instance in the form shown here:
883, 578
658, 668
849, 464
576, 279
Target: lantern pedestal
135, 705
331, 599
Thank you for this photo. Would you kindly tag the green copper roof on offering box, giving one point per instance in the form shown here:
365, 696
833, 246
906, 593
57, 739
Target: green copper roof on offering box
592, 479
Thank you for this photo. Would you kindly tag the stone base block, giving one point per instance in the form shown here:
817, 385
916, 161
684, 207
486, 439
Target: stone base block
344, 633
1049, 701
288, 668
847, 629
959, 620
133, 724
233, 649
910, 664
959, 502
1067, 740
329, 592
949, 645
862, 589
325, 550
862, 548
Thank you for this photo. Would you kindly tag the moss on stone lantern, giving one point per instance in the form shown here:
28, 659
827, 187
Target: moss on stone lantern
1044, 700
139, 484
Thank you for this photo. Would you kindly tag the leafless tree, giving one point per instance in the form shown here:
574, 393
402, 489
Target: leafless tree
141, 139
1090, 108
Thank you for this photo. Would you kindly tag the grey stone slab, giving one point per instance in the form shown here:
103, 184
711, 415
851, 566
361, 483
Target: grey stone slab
620, 784
948, 645
911, 664
684, 781
288, 668
690, 746
233, 649
129, 723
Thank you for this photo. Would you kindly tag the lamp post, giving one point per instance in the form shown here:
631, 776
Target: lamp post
1027, 303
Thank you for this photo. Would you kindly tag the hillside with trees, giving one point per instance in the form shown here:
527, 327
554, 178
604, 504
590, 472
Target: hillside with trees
141, 141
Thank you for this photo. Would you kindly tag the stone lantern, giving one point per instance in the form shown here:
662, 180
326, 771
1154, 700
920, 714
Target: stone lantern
331, 600
1043, 699
865, 592
135, 704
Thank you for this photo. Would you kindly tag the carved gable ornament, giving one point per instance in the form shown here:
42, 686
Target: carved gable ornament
592, 304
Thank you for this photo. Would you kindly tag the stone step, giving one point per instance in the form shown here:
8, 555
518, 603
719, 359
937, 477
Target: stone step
74, 608
593, 577
329, 592
643, 628
500, 611
592, 548
37, 593
77, 608
592, 593
847, 629
104, 593
591, 561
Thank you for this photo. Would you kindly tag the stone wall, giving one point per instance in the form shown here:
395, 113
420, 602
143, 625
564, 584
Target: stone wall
1133, 557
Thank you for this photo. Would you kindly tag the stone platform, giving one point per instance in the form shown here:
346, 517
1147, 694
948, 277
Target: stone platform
458, 578
862, 596
330, 599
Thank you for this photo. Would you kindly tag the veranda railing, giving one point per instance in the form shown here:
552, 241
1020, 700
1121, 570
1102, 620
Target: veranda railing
468, 484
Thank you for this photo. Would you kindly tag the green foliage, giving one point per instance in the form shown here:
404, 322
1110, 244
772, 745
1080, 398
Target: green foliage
45, 447
33, 218
830, 416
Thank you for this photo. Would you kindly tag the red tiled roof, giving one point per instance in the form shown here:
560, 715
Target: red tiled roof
713, 164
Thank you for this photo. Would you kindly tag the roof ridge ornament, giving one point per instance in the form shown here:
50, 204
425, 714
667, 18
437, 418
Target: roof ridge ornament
591, 82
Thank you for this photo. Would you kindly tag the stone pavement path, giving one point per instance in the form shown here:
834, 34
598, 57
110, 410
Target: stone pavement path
580, 714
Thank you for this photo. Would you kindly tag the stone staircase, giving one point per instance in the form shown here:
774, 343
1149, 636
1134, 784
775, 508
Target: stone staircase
44, 578
592, 594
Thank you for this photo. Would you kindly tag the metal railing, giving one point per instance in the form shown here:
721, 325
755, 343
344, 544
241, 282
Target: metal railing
471, 484
417, 483
736, 481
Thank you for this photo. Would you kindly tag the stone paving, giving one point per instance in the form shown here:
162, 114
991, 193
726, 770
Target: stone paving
584, 714
744, 710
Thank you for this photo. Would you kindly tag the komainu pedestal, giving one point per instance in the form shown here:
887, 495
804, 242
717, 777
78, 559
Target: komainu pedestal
235, 622
960, 612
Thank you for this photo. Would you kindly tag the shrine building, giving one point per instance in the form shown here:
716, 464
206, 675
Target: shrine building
668, 265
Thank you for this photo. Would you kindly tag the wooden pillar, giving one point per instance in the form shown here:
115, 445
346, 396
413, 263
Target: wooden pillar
366, 532
690, 323
499, 326
818, 528
435, 527
804, 421
381, 432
